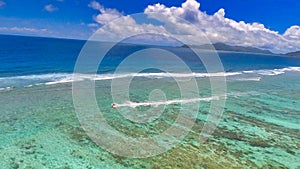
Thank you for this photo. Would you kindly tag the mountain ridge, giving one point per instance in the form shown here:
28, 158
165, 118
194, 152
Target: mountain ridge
224, 47
296, 54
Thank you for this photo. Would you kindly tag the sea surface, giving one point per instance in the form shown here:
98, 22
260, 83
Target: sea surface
39, 128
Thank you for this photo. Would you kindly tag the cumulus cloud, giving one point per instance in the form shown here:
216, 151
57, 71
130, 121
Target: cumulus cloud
50, 8
125, 27
216, 27
106, 14
2, 3
293, 32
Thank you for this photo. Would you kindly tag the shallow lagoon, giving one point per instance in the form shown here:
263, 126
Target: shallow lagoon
259, 127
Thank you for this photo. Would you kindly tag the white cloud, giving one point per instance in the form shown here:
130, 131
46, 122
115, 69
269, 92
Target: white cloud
2, 3
22, 29
216, 27
93, 25
125, 27
106, 14
50, 8
95, 5
293, 32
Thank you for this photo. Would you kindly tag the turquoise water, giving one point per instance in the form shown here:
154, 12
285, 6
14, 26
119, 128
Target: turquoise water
259, 128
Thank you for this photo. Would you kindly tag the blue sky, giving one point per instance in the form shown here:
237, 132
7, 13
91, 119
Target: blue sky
76, 18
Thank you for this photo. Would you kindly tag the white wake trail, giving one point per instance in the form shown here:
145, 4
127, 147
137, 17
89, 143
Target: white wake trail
168, 102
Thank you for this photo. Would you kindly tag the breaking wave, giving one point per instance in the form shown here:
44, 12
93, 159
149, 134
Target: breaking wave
7, 83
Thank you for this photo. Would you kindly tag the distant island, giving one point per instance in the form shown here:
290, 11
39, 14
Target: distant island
296, 54
217, 46
224, 47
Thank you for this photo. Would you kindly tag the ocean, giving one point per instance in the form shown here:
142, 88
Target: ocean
41, 128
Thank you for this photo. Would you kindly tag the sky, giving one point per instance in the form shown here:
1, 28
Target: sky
266, 24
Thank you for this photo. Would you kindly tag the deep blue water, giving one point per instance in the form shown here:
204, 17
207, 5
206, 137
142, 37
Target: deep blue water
45, 59
32, 55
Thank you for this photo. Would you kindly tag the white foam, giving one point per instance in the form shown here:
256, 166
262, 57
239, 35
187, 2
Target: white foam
61, 78
249, 71
273, 72
168, 102
292, 69
29, 86
270, 72
249, 79
164, 75
6, 89
242, 94
64, 80
37, 77
99, 77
